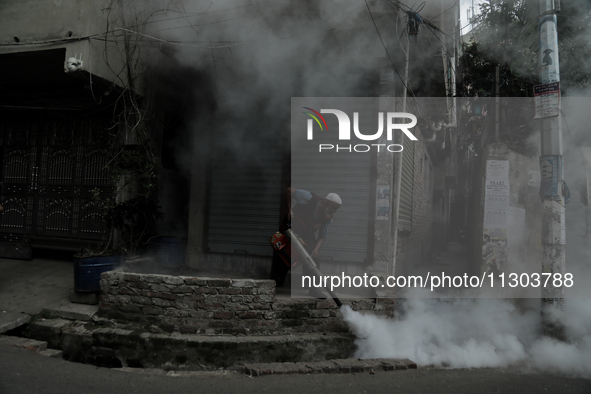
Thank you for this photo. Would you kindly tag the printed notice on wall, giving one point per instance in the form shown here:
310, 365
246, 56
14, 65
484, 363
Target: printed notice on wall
497, 188
496, 203
495, 218
496, 212
497, 170
547, 100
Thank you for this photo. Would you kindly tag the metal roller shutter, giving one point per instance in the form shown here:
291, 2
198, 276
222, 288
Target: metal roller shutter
346, 173
244, 202
348, 176
406, 186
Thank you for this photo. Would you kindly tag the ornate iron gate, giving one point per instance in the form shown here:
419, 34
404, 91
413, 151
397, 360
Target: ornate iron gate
50, 170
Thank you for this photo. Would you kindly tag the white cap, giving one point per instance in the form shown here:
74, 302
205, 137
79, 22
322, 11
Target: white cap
333, 197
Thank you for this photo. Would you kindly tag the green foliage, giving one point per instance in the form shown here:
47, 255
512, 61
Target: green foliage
574, 42
134, 219
133, 209
507, 35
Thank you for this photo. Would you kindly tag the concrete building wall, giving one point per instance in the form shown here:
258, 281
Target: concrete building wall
41, 20
80, 26
524, 255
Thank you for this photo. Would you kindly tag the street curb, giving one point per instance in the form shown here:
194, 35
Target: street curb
338, 366
330, 366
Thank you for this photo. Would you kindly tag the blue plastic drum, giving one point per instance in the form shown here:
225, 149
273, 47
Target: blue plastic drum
88, 270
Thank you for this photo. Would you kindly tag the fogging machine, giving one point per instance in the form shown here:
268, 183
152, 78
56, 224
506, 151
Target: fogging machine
292, 256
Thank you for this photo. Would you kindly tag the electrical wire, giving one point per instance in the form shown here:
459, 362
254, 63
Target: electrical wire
177, 43
404, 8
392, 62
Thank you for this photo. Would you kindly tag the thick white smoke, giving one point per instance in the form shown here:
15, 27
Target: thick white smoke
476, 333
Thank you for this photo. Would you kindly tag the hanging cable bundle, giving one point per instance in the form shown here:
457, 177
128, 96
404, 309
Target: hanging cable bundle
414, 23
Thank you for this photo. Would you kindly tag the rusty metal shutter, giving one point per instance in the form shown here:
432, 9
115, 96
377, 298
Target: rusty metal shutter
406, 186
244, 201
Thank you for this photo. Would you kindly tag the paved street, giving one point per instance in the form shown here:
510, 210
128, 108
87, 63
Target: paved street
29, 286
24, 372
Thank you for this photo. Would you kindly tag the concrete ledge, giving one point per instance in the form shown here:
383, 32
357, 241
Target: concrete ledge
70, 311
12, 320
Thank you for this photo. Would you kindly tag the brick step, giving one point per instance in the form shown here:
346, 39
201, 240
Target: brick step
50, 330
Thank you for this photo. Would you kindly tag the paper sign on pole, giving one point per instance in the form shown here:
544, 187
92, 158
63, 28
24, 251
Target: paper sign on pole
547, 100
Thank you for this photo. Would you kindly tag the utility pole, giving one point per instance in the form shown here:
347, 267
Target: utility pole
553, 203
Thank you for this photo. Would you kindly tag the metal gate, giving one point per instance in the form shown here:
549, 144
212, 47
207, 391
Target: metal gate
50, 172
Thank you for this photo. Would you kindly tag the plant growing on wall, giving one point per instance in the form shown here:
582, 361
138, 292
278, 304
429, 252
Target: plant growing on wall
131, 212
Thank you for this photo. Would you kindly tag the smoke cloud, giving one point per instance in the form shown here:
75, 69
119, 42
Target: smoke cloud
479, 333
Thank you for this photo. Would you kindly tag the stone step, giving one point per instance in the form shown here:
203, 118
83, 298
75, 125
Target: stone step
25, 343
89, 344
49, 330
